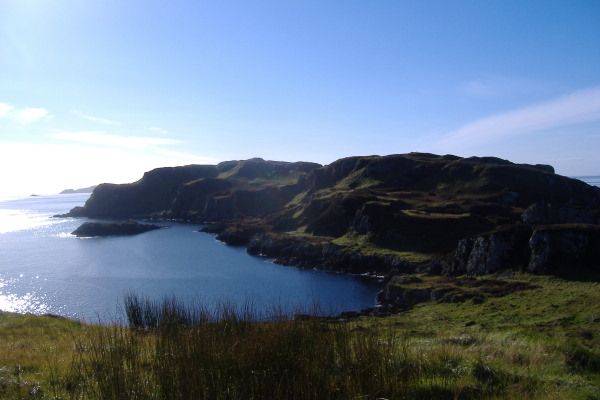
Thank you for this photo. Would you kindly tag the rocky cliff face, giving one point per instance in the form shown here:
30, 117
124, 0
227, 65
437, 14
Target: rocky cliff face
199, 193
491, 252
543, 214
539, 250
152, 194
564, 247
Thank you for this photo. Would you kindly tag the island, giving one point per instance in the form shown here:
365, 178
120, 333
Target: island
123, 228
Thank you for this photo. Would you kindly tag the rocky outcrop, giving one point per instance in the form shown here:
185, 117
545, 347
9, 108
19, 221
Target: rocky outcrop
564, 247
541, 250
126, 228
402, 292
543, 214
301, 253
489, 253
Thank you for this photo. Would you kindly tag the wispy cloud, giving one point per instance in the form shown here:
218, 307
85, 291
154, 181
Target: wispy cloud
30, 115
578, 107
23, 115
95, 119
105, 139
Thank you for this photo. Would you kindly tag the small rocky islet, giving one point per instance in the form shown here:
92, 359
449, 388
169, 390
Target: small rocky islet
121, 228
392, 215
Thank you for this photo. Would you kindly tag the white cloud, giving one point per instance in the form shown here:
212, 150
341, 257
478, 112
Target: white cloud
104, 139
578, 107
5, 109
30, 115
25, 115
95, 119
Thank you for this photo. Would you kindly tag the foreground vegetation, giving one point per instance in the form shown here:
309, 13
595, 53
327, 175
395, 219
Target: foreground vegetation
541, 343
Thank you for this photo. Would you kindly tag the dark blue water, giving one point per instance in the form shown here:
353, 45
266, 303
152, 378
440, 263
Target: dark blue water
44, 269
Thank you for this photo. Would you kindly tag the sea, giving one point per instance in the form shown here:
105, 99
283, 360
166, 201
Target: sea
46, 270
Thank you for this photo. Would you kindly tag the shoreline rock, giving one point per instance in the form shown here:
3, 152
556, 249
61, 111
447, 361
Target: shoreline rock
103, 229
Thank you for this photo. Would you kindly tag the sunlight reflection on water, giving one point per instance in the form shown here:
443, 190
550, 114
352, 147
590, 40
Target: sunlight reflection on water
26, 303
18, 220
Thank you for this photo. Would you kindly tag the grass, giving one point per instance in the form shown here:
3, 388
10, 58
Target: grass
539, 343
361, 245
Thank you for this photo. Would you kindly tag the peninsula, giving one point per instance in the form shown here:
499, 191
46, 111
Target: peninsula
386, 215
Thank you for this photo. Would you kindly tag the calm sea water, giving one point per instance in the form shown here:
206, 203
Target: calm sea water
44, 269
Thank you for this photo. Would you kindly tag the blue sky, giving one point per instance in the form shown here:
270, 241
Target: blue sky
101, 91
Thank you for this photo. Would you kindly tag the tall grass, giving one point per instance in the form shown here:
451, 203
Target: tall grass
171, 350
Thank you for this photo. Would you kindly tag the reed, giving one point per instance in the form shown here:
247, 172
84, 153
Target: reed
173, 350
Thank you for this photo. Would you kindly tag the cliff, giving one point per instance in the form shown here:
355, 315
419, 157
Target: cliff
377, 214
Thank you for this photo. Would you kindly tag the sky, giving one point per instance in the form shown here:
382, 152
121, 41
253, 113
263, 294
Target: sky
102, 91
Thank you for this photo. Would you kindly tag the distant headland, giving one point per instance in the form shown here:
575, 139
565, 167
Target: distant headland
88, 189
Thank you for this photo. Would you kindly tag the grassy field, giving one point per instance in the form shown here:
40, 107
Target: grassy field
539, 343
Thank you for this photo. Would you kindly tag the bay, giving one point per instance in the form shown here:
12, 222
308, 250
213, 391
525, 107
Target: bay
45, 269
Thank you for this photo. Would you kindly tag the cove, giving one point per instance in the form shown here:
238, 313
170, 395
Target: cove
44, 269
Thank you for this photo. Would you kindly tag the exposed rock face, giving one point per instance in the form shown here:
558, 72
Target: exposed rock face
486, 254
151, 194
299, 253
199, 192
539, 214
546, 249
402, 292
97, 229
564, 247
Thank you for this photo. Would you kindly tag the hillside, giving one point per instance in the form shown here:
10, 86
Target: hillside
391, 214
